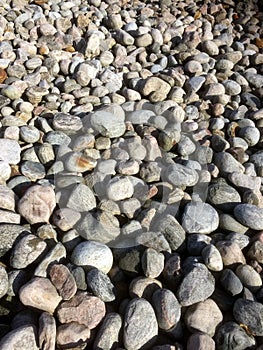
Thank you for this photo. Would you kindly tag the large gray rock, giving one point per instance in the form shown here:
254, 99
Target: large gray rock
249, 215
199, 217
140, 325
23, 337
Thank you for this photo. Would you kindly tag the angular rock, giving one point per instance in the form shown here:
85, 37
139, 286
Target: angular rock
3, 281
81, 198
212, 258
152, 263
41, 294
100, 285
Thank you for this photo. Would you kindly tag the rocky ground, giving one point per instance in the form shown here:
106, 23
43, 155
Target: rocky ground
131, 168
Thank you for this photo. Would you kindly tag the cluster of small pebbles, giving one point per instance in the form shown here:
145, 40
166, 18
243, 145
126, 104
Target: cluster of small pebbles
131, 175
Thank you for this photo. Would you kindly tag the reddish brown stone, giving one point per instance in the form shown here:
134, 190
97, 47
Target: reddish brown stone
63, 280
82, 308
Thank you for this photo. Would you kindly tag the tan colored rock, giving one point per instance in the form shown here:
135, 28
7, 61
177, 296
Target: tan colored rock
40, 294
82, 308
63, 280
54, 255
204, 317
231, 253
7, 198
71, 335
47, 332
144, 287
157, 88
37, 204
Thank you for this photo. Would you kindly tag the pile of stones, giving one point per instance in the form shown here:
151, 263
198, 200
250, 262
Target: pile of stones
131, 175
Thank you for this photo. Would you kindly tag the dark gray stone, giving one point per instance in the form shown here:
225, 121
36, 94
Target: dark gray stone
100, 285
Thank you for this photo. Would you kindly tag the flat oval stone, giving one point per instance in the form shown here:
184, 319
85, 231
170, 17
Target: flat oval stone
249, 215
41, 294
63, 280
180, 175
23, 337
249, 277
26, 251
199, 217
140, 325
197, 285
82, 308
167, 308
249, 313
93, 254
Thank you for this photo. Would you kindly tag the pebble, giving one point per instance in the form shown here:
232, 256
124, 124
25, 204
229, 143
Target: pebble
72, 334
167, 308
7, 198
229, 333
200, 217
109, 332
200, 341
249, 277
100, 285
212, 258
227, 164
223, 196
41, 294
4, 281
26, 251
107, 124
140, 325
22, 337
9, 234
246, 312
152, 263
181, 176
156, 88
203, 317
231, 253
63, 280
197, 285
10, 151
249, 215
37, 204
82, 308
144, 287
93, 254
47, 331
80, 199
119, 188
231, 283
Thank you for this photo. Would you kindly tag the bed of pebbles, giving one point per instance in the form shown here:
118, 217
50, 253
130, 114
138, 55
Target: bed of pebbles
131, 168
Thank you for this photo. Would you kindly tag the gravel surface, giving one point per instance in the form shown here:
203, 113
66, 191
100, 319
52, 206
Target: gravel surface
131, 175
